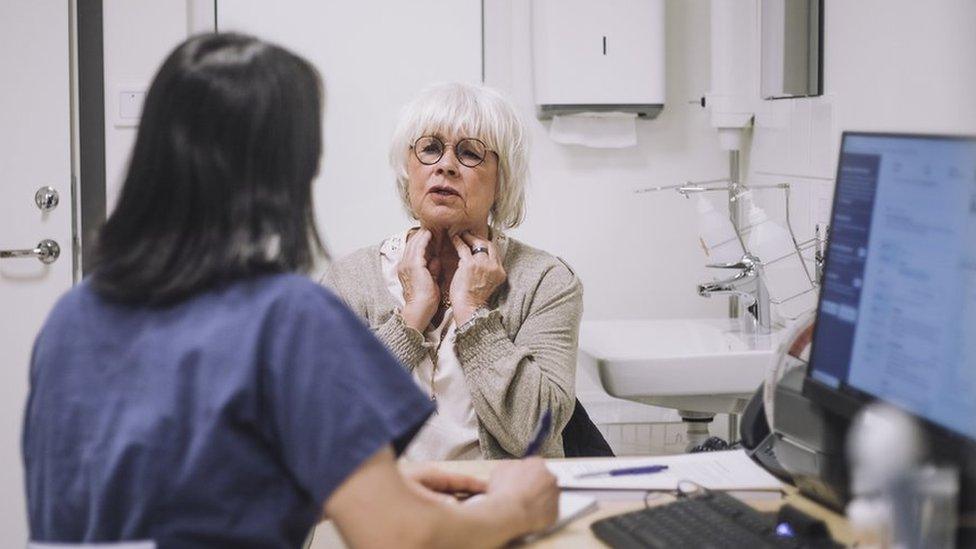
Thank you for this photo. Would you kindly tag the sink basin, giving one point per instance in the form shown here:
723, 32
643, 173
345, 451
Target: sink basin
696, 365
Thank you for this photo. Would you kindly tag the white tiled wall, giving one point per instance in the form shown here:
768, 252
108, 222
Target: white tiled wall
643, 439
897, 79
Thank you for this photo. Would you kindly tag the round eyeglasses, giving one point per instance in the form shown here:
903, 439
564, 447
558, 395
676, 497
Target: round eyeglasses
469, 151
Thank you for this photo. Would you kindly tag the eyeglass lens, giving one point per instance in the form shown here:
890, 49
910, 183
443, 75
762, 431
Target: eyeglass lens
469, 151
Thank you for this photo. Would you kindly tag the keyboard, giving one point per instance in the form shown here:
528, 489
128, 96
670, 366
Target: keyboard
703, 520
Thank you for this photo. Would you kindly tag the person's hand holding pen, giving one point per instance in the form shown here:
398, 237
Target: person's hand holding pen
439, 485
531, 487
527, 483
530, 481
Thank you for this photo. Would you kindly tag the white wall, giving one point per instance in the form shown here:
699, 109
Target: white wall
890, 65
370, 72
637, 255
138, 34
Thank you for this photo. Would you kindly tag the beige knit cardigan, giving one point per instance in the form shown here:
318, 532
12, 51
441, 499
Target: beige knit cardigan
519, 359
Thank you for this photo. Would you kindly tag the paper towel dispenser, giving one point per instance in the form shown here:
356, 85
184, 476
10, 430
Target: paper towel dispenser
598, 56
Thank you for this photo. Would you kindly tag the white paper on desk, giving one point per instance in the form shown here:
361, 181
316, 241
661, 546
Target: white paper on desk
571, 507
729, 470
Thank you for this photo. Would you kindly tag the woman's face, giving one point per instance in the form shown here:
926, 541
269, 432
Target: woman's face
449, 195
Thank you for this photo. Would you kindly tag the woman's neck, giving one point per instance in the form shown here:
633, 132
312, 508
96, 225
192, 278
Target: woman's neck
441, 245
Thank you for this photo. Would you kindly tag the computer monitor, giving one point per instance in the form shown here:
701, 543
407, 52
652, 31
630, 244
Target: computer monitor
897, 314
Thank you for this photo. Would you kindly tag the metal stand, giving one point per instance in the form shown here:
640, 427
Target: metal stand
733, 428
734, 215
736, 189
696, 424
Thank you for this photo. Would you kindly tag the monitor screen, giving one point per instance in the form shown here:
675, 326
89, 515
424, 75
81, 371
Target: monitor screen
897, 315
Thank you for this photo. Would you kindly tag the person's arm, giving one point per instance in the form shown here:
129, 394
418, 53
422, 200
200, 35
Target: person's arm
376, 507
513, 383
405, 343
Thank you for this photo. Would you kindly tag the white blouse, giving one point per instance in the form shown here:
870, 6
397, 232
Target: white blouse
452, 431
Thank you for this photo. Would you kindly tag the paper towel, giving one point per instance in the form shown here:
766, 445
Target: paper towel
608, 130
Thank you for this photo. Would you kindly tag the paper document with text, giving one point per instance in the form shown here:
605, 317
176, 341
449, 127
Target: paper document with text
728, 470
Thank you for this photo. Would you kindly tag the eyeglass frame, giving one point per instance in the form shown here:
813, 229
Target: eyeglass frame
413, 147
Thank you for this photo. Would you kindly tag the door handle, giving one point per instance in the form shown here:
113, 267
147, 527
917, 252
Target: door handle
47, 251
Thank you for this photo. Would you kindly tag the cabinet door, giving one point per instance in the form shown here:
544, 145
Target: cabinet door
373, 56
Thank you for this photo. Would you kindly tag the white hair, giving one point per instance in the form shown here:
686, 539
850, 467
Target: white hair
470, 111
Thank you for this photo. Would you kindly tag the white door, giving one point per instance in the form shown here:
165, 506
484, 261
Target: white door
35, 152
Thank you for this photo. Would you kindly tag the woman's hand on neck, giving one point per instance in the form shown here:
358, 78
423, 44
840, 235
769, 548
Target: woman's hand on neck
440, 245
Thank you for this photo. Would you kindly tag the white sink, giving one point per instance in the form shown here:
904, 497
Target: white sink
698, 365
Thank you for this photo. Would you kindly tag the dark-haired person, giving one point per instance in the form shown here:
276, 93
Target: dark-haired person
194, 390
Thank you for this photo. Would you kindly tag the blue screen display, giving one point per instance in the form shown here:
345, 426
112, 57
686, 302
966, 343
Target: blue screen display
897, 317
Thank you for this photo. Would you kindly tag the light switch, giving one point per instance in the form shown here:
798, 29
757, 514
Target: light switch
129, 100
130, 104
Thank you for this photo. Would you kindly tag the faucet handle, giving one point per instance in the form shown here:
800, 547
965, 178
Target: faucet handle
747, 262
736, 265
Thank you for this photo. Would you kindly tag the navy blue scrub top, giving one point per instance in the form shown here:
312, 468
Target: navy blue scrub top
224, 420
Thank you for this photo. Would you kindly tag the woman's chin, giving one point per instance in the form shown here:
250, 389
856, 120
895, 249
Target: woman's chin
443, 222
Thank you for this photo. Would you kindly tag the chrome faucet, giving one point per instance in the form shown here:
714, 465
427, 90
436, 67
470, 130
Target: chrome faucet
747, 284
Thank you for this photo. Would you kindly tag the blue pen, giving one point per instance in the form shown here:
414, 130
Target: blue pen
644, 470
541, 433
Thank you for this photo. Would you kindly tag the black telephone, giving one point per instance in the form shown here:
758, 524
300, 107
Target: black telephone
758, 439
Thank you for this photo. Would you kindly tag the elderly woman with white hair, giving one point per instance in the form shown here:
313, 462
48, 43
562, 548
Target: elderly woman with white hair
487, 325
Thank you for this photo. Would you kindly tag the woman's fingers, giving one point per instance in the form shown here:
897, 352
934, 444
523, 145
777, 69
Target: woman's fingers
416, 248
469, 238
478, 275
474, 242
417, 276
492, 250
463, 250
449, 483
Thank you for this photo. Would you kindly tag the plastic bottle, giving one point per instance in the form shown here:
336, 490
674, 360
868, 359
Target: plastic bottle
717, 235
882, 444
783, 271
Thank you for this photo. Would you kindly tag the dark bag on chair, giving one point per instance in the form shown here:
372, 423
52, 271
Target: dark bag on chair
581, 438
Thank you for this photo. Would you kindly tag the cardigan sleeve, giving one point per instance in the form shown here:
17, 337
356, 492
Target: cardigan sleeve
514, 381
405, 343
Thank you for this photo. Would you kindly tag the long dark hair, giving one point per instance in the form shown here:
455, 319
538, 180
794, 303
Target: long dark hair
219, 182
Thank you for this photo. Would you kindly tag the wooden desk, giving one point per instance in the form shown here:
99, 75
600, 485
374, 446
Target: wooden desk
577, 533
